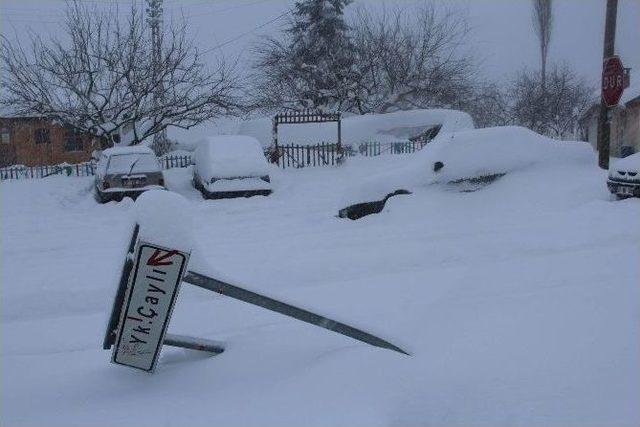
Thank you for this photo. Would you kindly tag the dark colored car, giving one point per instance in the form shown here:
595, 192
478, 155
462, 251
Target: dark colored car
127, 172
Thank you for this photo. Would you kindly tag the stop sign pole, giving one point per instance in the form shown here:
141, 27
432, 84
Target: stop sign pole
608, 76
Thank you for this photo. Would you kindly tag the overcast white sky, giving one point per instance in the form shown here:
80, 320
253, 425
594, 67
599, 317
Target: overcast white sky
501, 29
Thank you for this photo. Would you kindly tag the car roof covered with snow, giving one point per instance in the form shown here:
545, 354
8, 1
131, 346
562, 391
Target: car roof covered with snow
230, 156
388, 127
133, 149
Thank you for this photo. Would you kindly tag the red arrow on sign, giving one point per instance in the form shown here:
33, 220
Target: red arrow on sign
157, 259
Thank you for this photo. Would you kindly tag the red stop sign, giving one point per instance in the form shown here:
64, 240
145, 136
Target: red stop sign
612, 80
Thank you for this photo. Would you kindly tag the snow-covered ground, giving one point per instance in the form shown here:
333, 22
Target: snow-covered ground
519, 302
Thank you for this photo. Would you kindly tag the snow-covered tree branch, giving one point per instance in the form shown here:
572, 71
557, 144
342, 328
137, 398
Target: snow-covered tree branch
99, 76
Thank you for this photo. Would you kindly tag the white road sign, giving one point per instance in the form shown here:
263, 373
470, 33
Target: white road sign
151, 294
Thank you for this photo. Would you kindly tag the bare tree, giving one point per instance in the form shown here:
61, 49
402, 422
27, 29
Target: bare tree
554, 113
101, 80
410, 59
488, 105
542, 25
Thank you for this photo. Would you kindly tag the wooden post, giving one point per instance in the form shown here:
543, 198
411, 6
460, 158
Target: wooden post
274, 134
604, 119
339, 135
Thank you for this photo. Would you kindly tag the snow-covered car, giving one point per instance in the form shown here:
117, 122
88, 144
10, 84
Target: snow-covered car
126, 172
231, 166
466, 161
624, 177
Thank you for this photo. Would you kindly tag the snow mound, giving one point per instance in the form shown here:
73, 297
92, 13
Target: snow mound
164, 219
470, 154
231, 156
389, 127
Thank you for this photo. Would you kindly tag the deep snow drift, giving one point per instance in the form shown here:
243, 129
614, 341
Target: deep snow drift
519, 302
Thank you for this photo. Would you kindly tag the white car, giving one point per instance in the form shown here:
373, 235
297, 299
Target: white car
126, 172
231, 166
624, 177
466, 160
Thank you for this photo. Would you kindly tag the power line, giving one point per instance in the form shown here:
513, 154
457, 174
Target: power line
238, 37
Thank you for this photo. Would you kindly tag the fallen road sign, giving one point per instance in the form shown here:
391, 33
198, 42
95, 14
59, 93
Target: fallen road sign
151, 294
150, 281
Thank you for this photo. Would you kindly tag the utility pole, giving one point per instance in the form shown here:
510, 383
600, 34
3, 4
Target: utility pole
604, 120
154, 19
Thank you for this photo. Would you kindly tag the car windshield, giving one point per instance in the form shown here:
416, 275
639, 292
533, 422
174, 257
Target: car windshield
133, 163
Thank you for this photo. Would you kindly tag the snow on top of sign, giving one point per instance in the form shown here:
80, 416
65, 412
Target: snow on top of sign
389, 127
164, 219
469, 154
230, 156
134, 149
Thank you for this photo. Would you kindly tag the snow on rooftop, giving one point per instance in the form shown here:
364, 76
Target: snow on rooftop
630, 93
388, 127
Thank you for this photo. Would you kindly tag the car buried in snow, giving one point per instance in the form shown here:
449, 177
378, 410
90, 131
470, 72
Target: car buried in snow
126, 172
463, 161
624, 177
230, 166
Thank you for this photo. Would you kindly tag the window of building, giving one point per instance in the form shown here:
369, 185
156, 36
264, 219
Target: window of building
5, 135
42, 136
73, 140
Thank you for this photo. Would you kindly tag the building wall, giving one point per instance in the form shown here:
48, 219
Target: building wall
23, 149
625, 128
632, 125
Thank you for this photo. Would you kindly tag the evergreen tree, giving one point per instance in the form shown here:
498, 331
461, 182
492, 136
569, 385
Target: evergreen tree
313, 67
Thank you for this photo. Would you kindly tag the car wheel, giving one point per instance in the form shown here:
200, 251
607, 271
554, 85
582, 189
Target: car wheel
100, 198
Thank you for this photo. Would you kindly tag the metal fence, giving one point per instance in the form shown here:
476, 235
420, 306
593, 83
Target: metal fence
29, 172
372, 149
292, 155
169, 162
326, 154
79, 169
299, 156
